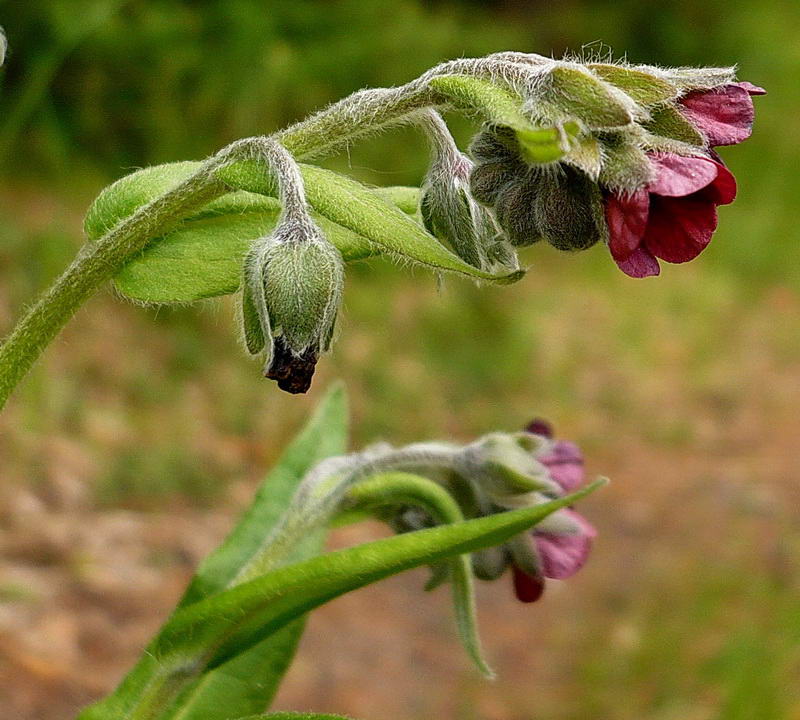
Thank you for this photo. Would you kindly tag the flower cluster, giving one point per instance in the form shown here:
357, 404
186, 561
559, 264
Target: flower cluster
507, 471
639, 170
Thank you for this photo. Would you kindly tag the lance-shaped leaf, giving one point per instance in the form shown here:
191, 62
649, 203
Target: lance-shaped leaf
573, 91
360, 209
247, 683
499, 106
211, 632
645, 88
399, 489
666, 121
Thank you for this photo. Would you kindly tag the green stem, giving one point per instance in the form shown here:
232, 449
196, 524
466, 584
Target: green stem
96, 263
360, 114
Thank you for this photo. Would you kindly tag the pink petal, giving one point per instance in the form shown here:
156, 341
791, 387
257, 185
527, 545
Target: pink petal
678, 176
563, 555
752, 89
626, 216
724, 115
680, 228
565, 463
527, 588
640, 263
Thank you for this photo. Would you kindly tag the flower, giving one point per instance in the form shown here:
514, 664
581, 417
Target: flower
672, 218
675, 215
649, 189
561, 544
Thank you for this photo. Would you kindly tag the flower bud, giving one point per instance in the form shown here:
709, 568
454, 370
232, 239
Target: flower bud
564, 209
451, 214
295, 278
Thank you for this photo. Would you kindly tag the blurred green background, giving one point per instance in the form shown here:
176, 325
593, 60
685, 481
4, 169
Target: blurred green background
128, 450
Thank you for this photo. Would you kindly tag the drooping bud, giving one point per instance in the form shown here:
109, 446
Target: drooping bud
295, 278
568, 209
448, 209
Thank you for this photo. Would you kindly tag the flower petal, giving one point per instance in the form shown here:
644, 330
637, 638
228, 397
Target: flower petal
527, 588
678, 176
565, 463
723, 189
563, 555
724, 115
640, 263
680, 228
752, 89
539, 426
626, 216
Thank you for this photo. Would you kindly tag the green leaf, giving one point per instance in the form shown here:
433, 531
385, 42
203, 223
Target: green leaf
643, 87
398, 489
203, 257
494, 104
503, 107
125, 196
667, 121
211, 632
406, 198
360, 209
247, 683
325, 435
588, 98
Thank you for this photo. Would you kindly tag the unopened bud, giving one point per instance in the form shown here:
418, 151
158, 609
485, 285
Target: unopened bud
564, 209
295, 277
504, 466
450, 213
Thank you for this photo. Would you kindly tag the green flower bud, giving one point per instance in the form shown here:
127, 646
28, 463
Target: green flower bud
504, 467
450, 213
294, 279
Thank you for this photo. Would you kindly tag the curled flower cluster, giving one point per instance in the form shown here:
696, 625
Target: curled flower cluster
506, 471
638, 171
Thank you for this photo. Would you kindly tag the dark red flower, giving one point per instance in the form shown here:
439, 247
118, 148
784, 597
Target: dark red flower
673, 218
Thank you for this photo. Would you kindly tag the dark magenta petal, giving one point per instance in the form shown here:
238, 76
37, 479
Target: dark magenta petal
527, 588
724, 115
678, 176
724, 187
680, 228
752, 89
565, 463
538, 426
640, 263
563, 555
626, 216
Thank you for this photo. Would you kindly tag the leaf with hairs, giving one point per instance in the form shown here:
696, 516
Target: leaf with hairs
365, 212
248, 682
212, 631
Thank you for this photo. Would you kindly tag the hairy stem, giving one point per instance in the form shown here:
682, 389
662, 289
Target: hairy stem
96, 263
354, 117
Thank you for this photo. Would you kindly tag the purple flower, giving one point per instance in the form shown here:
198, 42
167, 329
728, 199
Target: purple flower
561, 547
674, 217
671, 219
